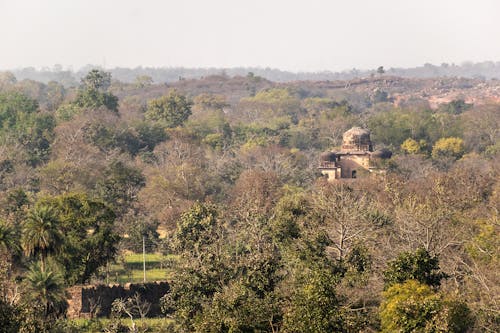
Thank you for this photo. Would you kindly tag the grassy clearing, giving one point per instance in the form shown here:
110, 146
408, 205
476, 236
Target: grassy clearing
99, 324
129, 268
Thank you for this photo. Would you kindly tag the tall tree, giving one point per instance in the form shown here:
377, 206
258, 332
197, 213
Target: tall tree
89, 237
41, 233
94, 93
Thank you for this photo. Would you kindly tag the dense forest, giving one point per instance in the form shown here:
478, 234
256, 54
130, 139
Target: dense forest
221, 173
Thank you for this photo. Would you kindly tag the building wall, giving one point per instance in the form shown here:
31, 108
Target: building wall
349, 163
331, 173
82, 298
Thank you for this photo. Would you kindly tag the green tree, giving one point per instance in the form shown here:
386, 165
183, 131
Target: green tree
93, 92
196, 229
419, 266
171, 110
41, 233
288, 211
228, 279
457, 106
8, 238
238, 308
120, 186
314, 304
202, 273
379, 96
415, 307
89, 238
38, 137
46, 287
97, 80
21, 123
13, 107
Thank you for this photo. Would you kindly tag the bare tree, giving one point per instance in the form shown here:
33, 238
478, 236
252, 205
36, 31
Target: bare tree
139, 305
343, 214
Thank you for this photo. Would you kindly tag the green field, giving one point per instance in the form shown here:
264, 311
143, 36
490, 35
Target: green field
98, 325
129, 268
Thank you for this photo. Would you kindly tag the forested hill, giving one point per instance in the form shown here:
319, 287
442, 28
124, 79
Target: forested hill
482, 70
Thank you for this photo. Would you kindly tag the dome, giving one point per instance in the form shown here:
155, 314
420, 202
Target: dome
382, 153
328, 156
357, 139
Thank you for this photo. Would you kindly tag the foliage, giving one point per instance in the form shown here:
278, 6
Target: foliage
46, 287
411, 146
271, 103
89, 240
143, 137
120, 186
415, 307
238, 308
485, 243
380, 96
93, 92
448, 147
419, 266
314, 305
22, 123
211, 102
143, 81
10, 320
171, 110
284, 224
153, 325
457, 106
41, 233
139, 229
66, 112
13, 106
8, 238
196, 228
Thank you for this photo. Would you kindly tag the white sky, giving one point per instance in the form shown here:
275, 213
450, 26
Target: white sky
295, 35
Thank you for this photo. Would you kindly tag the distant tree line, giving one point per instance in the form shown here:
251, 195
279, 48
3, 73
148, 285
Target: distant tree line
480, 70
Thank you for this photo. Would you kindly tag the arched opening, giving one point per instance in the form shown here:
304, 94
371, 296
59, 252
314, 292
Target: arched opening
353, 174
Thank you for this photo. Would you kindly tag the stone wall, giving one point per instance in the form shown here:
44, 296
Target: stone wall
85, 299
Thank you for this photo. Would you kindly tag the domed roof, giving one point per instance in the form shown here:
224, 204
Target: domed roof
356, 131
382, 153
357, 138
328, 156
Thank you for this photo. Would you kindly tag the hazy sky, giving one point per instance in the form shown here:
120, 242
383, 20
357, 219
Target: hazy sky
293, 35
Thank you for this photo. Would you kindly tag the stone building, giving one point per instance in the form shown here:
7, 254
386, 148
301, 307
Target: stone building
356, 156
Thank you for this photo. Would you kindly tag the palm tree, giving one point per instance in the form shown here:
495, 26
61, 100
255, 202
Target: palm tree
41, 234
8, 243
8, 247
46, 287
